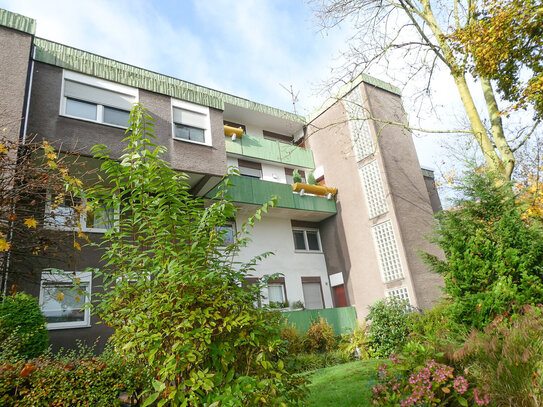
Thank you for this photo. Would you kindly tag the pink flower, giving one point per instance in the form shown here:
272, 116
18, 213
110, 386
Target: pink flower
460, 384
481, 401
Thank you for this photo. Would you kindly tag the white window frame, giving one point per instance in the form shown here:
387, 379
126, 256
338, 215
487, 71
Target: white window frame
191, 107
68, 277
283, 290
82, 218
305, 230
97, 83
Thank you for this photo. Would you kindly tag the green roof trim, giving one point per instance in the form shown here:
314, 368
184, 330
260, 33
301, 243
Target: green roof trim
17, 22
349, 86
91, 64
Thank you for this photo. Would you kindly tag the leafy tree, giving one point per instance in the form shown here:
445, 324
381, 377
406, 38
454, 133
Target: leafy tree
420, 34
494, 257
30, 171
173, 292
505, 43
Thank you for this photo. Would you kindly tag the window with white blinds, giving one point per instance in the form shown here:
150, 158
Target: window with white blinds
373, 189
400, 293
92, 99
387, 251
358, 124
312, 293
191, 122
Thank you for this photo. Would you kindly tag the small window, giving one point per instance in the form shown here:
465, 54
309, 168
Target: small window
64, 212
63, 298
228, 233
191, 122
250, 169
89, 98
306, 240
276, 293
270, 135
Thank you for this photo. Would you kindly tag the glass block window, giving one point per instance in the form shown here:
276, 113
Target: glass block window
400, 293
358, 124
373, 189
387, 251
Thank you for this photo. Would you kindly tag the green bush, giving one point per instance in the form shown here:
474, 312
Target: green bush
303, 362
320, 337
22, 323
506, 359
388, 327
76, 378
293, 339
493, 256
357, 343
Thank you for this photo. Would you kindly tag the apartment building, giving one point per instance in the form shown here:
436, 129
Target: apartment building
347, 244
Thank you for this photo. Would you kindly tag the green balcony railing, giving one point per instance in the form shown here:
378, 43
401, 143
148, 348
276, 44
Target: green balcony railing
343, 320
257, 192
270, 150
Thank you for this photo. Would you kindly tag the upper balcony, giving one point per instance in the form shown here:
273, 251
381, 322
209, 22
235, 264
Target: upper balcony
270, 150
254, 191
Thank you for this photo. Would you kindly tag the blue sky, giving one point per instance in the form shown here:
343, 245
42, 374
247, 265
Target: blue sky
248, 48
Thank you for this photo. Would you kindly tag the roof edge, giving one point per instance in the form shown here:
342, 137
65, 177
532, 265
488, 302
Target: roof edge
349, 86
17, 22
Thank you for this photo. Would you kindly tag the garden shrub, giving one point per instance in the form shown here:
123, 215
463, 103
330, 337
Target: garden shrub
76, 378
357, 343
404, 382
506, 359
293, 339
173, 293
494, 254
388, 327
320, 337
22, 324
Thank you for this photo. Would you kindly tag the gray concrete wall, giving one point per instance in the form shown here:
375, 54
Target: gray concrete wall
408, 191
76, 135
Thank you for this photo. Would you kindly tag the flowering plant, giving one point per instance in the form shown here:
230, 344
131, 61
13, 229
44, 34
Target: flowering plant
432, 384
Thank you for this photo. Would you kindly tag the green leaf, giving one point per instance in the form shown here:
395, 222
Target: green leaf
462, 401
150, 400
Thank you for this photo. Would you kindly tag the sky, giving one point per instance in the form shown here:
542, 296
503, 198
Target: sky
250, 48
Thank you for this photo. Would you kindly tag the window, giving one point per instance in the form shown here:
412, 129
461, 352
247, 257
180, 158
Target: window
228, 233
250, 169
306, 240
277, 294
401, 293
289, 175
191, 122
373, 189
312, 289
270, 135
359, 125
88, 98
63, 298
387, 251
64, 212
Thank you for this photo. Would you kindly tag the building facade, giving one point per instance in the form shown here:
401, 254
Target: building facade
332, 250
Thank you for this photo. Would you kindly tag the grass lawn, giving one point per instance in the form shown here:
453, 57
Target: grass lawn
346, 385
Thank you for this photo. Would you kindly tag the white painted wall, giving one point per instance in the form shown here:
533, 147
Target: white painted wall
273, 173
275, 234
253, 130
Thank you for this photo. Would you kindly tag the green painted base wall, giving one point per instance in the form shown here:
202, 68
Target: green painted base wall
343, 319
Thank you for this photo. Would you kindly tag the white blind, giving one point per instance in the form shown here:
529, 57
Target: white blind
312, 296
99, 96
275, 293
189, 118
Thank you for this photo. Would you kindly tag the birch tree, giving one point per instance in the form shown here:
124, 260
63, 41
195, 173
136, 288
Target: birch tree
425, 29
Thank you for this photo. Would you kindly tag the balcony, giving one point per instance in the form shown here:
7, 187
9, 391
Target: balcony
254, 191
270, 150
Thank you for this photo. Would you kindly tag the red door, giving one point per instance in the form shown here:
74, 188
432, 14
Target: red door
340, 299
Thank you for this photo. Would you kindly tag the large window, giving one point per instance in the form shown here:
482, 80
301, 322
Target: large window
65, 212
307, 240
191, 122
88, 98
228, 233
63, 298
387, 251
277, 293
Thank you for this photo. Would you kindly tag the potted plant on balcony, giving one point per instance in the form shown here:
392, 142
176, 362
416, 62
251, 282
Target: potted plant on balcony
297, 306
296, 177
